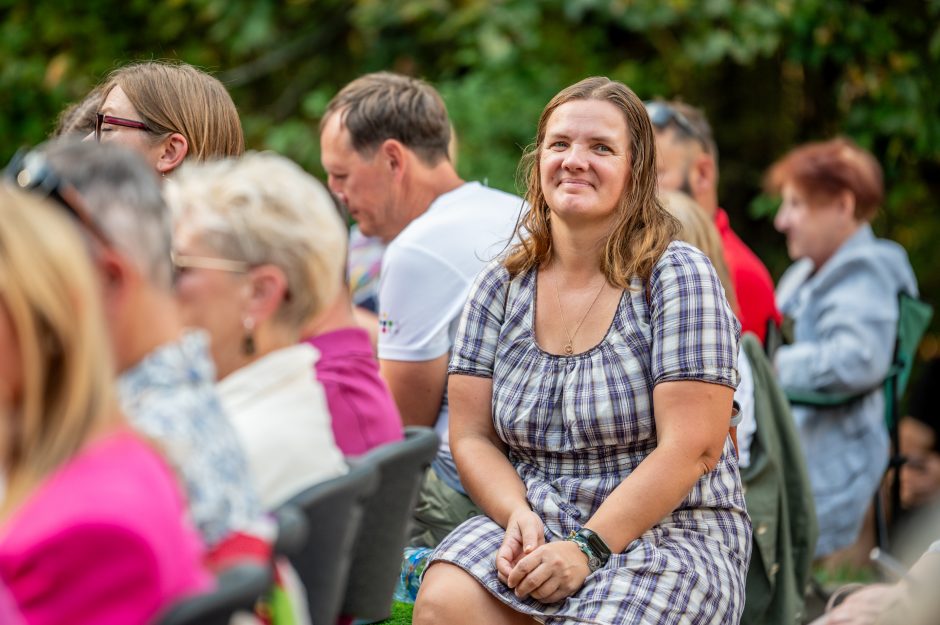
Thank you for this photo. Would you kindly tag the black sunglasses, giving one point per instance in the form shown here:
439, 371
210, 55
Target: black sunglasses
30, 170
662, 114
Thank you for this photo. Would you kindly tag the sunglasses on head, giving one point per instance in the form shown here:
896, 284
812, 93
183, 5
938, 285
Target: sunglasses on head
30, 170
662, 114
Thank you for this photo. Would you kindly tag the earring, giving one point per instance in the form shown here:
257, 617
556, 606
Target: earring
248, 341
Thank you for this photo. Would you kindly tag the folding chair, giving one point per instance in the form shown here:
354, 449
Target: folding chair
292, 530
914, 317
238, 588
333, 512
382, 538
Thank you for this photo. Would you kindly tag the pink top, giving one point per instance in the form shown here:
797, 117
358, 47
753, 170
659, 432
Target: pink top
363, 413
102, 541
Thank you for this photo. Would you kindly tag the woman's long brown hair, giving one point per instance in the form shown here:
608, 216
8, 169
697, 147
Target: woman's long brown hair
642, 228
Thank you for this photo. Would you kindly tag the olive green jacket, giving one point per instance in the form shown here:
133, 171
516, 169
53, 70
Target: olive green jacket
779, 501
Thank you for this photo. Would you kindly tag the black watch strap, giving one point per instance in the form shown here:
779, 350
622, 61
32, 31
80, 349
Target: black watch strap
596, 543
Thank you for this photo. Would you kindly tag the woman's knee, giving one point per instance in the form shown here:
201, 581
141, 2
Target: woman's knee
445, 594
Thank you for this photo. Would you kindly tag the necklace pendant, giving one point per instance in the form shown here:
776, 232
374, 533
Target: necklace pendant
568, 349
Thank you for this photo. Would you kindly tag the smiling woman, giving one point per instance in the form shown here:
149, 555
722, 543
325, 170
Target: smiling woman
585, 161
591, 394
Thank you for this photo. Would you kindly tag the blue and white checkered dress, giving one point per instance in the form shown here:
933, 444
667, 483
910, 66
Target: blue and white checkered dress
576, 426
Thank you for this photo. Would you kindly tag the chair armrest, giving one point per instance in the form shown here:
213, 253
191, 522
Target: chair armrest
823, 400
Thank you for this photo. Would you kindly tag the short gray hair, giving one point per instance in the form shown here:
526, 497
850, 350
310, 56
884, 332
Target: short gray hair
123, 195
264, 209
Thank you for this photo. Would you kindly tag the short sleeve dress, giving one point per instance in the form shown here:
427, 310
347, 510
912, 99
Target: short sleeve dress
576, 426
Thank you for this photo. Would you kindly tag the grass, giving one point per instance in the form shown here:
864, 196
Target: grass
401, 614
833, 577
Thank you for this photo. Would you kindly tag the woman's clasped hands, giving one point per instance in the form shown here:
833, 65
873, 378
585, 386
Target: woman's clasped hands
547, 572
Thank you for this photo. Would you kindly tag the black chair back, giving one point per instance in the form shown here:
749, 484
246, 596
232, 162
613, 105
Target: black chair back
380, 545
238, 588
292, 530
333, 511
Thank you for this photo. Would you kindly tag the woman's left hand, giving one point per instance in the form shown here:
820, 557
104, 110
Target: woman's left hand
550, 573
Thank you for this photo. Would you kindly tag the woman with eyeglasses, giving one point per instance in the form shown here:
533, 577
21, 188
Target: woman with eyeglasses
93, 527
258, 247
169, 112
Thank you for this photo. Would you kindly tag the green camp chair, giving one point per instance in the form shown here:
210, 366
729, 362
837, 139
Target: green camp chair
914, 316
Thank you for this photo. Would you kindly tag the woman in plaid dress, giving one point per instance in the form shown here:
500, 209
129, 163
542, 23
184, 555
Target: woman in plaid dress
590, 393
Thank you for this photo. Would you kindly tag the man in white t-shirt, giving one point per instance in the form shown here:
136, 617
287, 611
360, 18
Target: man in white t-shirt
384, 145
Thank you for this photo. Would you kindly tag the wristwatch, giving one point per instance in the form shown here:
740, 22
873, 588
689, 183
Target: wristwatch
593, 546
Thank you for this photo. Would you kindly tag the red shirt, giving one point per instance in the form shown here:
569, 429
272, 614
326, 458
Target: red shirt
751, 280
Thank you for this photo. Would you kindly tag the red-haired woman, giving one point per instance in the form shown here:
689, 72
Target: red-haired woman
842, 296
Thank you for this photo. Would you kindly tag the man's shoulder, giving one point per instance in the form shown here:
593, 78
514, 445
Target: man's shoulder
470, 205
741, 259
464, 227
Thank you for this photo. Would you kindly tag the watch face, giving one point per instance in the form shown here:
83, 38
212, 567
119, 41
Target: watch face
597, 544
594, 563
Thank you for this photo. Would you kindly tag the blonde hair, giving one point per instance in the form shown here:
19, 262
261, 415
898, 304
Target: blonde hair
642, 230
176, 97
264, 209
699, 231
49, 292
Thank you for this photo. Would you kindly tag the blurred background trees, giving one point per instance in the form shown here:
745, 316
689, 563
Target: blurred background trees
769, 74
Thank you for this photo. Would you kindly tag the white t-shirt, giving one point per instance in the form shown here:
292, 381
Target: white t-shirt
282, 420
744, 395
426, 275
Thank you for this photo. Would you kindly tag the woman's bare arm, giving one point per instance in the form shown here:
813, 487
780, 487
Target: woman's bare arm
691, 429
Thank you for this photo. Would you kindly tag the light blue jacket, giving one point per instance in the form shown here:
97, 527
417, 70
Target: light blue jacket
845, 317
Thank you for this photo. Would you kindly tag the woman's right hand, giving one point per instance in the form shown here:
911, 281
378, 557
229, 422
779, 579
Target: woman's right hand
524, 532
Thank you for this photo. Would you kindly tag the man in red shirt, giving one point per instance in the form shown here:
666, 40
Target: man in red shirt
687, 161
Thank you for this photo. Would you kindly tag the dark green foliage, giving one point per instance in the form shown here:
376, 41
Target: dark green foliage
769, 75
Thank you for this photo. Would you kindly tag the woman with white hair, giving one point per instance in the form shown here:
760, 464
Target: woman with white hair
258, 244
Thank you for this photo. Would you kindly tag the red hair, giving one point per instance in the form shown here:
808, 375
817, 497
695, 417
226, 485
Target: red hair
826, 169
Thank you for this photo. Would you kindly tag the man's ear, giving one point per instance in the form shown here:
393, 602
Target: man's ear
173, 151
394, 155
267, 286
115, 277
703, 175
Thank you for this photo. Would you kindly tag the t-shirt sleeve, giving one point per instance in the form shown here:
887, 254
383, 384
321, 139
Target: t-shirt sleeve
9, 612
92, 572
478, 332
420, 295
694, 333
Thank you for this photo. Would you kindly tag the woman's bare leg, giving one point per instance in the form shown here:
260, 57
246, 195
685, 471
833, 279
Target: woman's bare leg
448, 594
